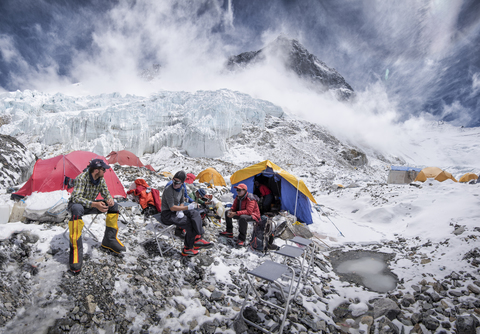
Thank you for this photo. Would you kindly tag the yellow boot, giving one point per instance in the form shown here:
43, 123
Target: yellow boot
75, 227
110, 239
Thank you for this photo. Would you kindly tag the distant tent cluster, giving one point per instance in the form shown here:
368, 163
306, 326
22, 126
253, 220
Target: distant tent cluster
404, 175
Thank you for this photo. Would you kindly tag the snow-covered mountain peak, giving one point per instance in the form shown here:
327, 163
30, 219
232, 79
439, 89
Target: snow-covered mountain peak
295, 57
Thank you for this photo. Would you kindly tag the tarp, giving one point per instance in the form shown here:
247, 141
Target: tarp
402, 174
294, 197
210, 175
190, 178
124, 158
49, 175
468, 177
434, 173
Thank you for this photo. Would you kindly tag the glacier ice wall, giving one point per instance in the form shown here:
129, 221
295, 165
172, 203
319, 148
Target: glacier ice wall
199, 123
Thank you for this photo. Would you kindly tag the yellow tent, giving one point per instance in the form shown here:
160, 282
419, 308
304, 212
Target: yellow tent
468, 177
210, 175
434, 173
166, 174
261, 166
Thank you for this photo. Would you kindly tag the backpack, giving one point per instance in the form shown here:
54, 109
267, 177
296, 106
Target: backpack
263, 235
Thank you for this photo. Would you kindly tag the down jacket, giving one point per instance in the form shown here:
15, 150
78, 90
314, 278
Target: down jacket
146, 195
246, 206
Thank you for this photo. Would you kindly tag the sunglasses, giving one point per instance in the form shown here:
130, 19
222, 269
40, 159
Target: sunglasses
240, 190
102, 169
177, 182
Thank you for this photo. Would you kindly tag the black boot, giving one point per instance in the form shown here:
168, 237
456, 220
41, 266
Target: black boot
110, 239
75, 260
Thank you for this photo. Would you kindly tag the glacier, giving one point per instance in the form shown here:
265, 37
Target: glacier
198, 123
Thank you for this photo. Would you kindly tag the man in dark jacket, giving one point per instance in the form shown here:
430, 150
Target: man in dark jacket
174, 211
87, 187
245, 209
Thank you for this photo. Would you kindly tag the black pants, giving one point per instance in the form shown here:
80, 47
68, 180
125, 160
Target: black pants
267, 203
242, 224
78, 210
191, 222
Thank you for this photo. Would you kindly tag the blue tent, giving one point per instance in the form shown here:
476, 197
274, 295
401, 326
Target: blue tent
293, 193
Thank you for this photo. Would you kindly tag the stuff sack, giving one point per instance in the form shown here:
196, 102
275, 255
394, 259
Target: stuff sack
263, 235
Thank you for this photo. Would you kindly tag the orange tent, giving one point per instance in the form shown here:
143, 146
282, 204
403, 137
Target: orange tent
434, 173
468, 177
210, 175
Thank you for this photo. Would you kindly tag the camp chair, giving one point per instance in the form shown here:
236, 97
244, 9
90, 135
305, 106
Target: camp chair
124, 212
303, 252
161, 229
273, 273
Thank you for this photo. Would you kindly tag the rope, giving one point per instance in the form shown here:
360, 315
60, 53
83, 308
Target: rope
331, 221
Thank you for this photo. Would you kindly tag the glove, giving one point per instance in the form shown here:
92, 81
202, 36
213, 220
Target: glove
180, 214
191, 206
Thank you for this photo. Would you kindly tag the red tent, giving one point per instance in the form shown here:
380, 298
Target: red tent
150, 167
190, 178
124, 158
49, 175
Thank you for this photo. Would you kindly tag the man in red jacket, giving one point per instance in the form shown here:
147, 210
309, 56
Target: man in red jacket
245, 209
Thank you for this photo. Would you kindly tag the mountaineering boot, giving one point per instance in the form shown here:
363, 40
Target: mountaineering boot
110, 239
75, 260
200, 243
189, 252
226, 234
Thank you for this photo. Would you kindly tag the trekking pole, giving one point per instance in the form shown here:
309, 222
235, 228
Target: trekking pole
331, 221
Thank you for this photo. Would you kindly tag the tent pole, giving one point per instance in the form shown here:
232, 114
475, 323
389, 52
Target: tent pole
63, 182
296, 198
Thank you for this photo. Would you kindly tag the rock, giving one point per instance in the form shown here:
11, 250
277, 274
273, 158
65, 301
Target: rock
217, 296
408, 300
459, 230
341, 311
240, 326
91, 306
318, 290
467, 324
387, 307
193, 324
205, 261
416, 318
211, 288
208, 327
386, 327
309, 323
473, 289
431, 323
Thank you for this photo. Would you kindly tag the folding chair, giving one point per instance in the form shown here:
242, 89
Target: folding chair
85, 227
303, 255
123, 212
271, 272
162, 229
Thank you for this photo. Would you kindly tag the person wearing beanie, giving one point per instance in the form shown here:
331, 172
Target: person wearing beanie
174, 211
